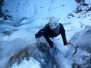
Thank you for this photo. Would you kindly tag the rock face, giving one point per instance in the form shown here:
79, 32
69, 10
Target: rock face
83, 57
19, 56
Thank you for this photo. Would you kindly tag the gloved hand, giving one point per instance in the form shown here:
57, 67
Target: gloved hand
68, 42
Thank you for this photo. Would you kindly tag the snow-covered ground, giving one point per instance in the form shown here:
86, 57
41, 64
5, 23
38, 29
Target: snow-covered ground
32, 63
34, 15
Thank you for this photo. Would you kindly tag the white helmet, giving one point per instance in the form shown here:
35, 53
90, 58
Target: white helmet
53, 22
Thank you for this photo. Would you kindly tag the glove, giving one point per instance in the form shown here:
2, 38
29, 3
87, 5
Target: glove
67, 43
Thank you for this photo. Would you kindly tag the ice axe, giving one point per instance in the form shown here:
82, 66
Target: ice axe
74, 47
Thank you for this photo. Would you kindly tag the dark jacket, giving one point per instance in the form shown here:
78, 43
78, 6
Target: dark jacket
48, 33
79, 1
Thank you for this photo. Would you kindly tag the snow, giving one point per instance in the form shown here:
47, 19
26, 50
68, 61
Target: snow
32, 63
36, 15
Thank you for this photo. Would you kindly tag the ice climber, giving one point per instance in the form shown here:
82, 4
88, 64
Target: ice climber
52, 29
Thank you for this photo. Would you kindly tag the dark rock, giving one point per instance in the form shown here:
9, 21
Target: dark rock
19, 56
75, 65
